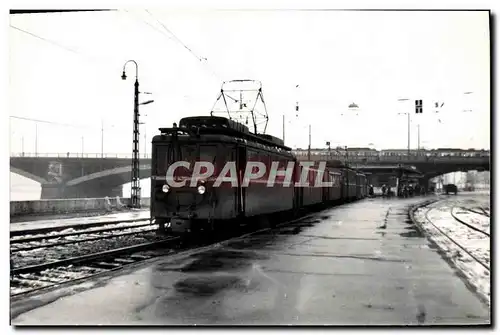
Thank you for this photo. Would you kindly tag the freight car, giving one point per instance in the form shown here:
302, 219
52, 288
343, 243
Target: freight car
191, 190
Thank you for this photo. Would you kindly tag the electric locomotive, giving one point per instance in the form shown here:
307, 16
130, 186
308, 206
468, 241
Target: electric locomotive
188, 194
200, 204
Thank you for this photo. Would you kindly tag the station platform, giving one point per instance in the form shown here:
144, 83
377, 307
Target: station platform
362, 263
128, 215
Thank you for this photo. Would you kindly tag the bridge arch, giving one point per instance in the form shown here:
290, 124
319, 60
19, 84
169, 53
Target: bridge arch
27, 175
107, 173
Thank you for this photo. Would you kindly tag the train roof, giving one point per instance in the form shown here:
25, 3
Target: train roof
216, 125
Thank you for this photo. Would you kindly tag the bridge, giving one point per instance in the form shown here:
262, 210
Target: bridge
69, 175
64, 176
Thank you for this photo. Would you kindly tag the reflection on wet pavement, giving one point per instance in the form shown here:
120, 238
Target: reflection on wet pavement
361, 263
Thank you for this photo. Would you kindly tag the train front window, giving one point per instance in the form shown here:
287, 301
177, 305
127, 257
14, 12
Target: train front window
189, 153
208, 153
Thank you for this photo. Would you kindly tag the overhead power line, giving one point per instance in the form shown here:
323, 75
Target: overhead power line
46, 40
103, 63
149, 24
201, 59
176, 38
51, 122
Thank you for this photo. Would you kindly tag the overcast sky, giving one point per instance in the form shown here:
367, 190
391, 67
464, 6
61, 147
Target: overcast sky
336, 57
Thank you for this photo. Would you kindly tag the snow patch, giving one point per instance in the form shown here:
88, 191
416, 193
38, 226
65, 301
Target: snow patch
438, 222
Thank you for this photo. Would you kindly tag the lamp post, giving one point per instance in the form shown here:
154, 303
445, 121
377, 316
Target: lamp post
135, 194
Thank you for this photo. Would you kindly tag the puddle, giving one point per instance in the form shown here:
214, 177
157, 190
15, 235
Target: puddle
206, 286
413, 233
292, 231
310, 222
214, 260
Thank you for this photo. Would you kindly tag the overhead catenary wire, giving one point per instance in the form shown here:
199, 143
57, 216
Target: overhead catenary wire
104, 64
148, 24
57, 123
49, 122
47, 40
200, 59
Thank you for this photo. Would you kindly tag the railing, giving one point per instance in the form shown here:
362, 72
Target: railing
342, 155
300, 154
77, 155
395, 159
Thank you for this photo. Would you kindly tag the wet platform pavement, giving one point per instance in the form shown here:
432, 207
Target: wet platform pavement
362, 263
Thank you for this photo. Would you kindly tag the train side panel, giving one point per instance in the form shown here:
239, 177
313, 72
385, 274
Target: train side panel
260, 199
336, 189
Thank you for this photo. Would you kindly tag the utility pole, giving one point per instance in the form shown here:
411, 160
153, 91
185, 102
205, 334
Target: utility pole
283, 127
136, 187
408, 134
102, 138
309, 147
36, 139
135, 193
408, 113
418, 148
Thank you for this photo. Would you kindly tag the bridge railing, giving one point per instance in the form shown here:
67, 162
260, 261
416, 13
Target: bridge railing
301, 155
354, 155
76, 155
395, 159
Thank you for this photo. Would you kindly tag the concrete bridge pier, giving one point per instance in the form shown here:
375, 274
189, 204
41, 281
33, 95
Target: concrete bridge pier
52, 191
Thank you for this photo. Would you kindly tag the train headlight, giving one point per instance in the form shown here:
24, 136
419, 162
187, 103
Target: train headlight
201, 189
165, 188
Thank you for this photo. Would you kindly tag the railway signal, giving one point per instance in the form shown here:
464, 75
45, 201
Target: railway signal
419, 107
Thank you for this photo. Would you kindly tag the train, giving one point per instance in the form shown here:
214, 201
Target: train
185, 201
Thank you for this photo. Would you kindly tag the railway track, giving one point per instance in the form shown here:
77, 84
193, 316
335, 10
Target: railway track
32, 242
482, 211
34, 278
460, 242
48, 230
474, 226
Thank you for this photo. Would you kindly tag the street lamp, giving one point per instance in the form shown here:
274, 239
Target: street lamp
135, 193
